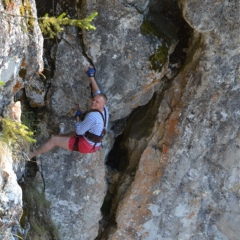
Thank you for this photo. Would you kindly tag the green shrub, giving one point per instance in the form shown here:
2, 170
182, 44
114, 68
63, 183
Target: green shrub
52, 25
15, 133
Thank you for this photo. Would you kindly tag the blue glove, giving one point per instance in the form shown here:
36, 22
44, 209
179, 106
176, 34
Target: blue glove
78, 113
91, 72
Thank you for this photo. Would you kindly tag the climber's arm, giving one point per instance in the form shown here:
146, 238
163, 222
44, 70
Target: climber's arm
84, 126
91, 73
94, 84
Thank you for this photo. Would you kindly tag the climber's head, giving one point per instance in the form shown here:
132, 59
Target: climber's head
98, 102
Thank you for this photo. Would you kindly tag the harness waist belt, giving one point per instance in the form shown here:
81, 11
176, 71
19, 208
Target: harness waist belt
93, 137
75, 146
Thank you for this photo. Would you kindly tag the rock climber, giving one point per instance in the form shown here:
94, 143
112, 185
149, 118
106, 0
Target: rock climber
88, 132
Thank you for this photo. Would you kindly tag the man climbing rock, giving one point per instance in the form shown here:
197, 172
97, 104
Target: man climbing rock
88, 132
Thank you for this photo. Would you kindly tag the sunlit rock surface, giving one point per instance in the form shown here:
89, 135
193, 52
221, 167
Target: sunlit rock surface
175, 171
21, 52
20, 63
187, 182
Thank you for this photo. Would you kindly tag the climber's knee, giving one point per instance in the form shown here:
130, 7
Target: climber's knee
59, 141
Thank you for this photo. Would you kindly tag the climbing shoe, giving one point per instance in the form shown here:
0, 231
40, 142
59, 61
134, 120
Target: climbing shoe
62, 128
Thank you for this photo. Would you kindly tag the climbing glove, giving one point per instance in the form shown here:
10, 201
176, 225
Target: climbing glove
78, 113
91, 72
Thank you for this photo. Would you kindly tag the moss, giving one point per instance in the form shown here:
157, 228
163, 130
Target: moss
147, 28
159, 58
26, 11
22, 10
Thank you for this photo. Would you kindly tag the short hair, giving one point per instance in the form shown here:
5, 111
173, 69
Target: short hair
103, 96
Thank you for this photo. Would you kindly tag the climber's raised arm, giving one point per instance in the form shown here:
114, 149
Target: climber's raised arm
91, 73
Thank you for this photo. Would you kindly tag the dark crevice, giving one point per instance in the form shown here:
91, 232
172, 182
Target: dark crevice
164, 20
139, 124
35, 222
184, 33
117, 157
121, 165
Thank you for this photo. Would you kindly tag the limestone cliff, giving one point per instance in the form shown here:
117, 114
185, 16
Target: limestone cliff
20, 65
169, 165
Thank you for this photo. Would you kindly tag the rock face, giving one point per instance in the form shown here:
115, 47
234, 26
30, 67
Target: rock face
20, 63
187, 182
21, 52
119, 38
167, 170
10, 195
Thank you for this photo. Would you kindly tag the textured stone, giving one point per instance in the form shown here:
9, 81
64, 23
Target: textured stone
181, 188
13, 111
179, 175
20, 62
21, 57
10, 195
75, 185
118, 39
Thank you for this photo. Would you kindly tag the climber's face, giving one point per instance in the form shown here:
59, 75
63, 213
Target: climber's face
98, 103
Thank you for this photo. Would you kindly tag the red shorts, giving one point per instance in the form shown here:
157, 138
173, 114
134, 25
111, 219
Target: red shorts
83, 145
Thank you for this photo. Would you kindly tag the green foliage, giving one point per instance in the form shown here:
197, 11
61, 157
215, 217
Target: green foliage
15, 133
2, 83
159, 58
147, 28
29, 118
52, 25
26, 12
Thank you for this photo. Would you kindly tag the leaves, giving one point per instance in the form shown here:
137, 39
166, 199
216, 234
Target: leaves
2, 83
53, 25
15, 132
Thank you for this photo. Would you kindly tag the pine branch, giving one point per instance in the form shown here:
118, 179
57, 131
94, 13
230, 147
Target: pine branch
51, 26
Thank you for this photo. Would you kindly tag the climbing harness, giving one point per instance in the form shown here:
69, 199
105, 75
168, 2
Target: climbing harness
91, 136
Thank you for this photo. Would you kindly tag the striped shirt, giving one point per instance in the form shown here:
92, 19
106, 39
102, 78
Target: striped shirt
93, 122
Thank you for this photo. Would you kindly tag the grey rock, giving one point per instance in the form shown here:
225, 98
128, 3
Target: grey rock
181, 188
180, 170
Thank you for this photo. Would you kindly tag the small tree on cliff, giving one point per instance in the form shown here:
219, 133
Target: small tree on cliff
50, 26
53, 25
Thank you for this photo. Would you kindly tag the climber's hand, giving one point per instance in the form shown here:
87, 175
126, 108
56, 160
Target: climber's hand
78, 113
91, 71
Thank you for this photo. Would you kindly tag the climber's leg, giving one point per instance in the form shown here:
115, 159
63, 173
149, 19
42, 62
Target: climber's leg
55, 141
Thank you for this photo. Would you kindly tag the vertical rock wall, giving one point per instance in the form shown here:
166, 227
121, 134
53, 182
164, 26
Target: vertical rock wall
75, 184
21, 51
10, 195
181, 173
187, 182
20, 63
